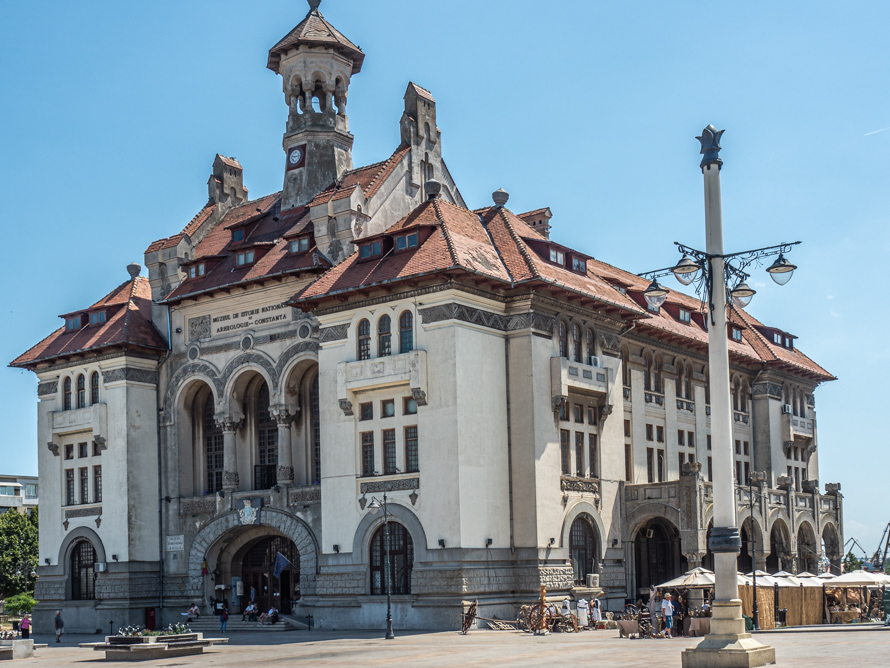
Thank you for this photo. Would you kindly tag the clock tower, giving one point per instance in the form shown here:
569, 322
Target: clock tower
315, 62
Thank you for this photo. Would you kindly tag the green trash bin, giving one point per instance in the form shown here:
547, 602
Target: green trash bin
886, 604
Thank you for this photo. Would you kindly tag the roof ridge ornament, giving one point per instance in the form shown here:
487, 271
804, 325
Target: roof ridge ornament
313, 5
710, 147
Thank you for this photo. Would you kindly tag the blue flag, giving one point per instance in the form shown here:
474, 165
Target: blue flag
281, 562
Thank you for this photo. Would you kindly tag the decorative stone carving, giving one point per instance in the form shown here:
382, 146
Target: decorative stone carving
248, 513
53, 448
100, 442
419, 396
413, 496
283, 415
231, 479
403, 484
229, 422
305, 495
691, 468
71, 513
333, 333
47, 388
454, 311
579, 485
346, 407
832, 487
284, 473
610, 343
131, 374
65, 524
98, 522
362, 502
198, 506
772, 390
559, 401
199, 327
785, 482
605, 411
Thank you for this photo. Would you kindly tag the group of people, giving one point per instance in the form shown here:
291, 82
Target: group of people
672, 609
251, 612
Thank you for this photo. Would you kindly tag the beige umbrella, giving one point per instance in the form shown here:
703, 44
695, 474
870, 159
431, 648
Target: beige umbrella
697, 578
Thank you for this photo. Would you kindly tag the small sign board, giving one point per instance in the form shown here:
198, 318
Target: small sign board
175, 543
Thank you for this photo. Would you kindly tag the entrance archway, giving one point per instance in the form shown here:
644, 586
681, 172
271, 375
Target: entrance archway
658, 556
584, 549
257, 565
779, 547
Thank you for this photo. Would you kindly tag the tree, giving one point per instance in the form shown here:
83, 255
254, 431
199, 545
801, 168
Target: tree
851, 563
18, 552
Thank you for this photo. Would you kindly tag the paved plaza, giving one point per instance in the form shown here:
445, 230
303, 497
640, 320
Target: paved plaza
860, 648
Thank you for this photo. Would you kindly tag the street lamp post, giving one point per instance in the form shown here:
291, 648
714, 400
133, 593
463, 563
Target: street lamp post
758, 477
728, 644
374, 506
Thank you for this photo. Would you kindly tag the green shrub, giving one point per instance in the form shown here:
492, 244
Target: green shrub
20, 604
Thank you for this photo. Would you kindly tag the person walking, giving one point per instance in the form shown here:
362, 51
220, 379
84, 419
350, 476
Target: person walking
25, 626
59, 625
667, 611
223, 619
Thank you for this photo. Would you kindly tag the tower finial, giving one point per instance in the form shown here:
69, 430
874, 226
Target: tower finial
313, 5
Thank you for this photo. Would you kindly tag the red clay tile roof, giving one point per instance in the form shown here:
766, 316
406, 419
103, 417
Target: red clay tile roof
314, 30
193, 225
423, 92
128, 324
369, 178
231, 162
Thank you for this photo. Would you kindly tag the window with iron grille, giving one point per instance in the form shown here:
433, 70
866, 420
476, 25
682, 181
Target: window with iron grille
583, 549
83, 568
213, 448
576, 343
368, 453
97, 484
267, 442
579, 454
563, 340
82, 450
69, 451
364, 340
94, 388
593, 446
406, 332
650, 464
316, 430
84, 485
400, 549
389, 452
564, 452
384, 336
412, 462
69, 487
81, 391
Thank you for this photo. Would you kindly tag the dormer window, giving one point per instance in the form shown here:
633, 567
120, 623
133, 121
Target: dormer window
72, 323
369, 250
736, 334
244, 258
97, 317
788, 343
409, 241
685, 316
579, 265
300, 245
238, 235
196, 270
777, 338
557, 257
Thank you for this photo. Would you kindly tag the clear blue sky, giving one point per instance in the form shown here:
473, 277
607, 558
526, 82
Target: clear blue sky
113, 112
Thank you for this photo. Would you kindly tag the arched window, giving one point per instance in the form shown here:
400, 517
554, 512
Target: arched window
384, 336
364, 340
66, 393
656, 374
563, 340
576, 343
681, 376
94, 388
83, 565
647, 372
583, 549
406, 332
687, 377
744, 389
401, 560
591, 345
264, 475
81, 391
794, 401
213, 448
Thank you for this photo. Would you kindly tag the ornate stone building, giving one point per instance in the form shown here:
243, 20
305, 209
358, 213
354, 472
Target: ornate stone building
292, 358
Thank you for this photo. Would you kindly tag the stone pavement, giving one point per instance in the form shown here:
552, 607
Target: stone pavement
859, 648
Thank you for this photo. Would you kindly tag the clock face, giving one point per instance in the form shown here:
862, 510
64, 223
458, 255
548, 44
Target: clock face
296, 156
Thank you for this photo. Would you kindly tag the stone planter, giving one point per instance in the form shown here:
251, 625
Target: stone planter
144, 648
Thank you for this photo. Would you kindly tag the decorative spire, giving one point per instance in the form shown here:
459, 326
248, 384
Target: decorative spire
710, 146
313, 5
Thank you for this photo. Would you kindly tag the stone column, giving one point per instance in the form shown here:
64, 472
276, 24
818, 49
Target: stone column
284, 416
230, 424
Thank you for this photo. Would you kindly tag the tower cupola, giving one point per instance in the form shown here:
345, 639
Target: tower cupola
315, 61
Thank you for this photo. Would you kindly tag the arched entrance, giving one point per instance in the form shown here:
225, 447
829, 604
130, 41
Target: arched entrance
258, 570
779, 547
583, 549
807, 555
401, 560
831, 548
657, 551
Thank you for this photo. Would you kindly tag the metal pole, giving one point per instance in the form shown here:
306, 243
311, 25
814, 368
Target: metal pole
753, 551
389, 634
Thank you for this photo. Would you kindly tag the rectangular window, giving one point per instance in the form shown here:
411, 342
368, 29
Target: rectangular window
97, 484
747, 471
97, 317
649, 432
628, 462
69, 451
238, 235
69, 487
579, 413
244, 258
594, 457
81, 450
389, 452
564, 411
300, 245
627, 428
579, 454
659, 434
591, 415
557, 257
96, 450
777, 338
72, 323
6, 490
30, 491
736, 334
738, 472
661, 475
745, 448
84, 485
369, 250
579, 265
409, 241
409, 406
368, 453
684, 316
387, 408
650, 464
690, 439
564, 452
709, 441
412, 460
681, 437
682, 458
196, 270
738, 447
366, 411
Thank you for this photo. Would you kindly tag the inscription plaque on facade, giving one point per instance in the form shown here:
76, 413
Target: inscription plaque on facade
175, 543
224, 323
